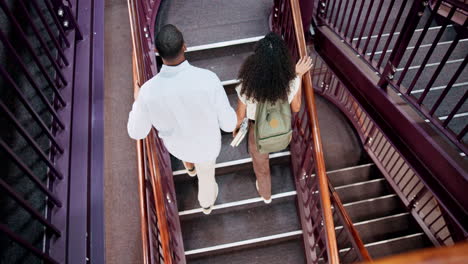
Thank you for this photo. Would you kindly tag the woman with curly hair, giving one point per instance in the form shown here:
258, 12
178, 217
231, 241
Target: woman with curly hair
268, 75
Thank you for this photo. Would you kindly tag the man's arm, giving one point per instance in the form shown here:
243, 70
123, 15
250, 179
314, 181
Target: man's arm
139, 124
227, 118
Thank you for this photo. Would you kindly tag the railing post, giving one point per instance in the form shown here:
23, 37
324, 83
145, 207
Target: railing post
321, 11
411, 22
307, 11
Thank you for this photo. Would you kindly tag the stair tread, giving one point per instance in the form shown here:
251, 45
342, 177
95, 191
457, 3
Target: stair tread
225, 62
384, 228
233, 226
233, 187
374, 208
363, 190
352, 175
204, 22
291, 251
398, 245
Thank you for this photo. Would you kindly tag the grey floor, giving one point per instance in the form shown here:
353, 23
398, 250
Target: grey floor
123, 239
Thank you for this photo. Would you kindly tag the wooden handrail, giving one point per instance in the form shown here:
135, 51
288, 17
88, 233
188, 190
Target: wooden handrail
332, 247
142, 189
159, 198
349, 225
457, 254
153, 163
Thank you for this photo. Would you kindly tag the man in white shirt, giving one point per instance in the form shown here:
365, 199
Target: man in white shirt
188, 106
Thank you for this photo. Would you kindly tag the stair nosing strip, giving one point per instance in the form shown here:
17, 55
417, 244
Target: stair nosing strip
237, 162
370, 199
347, 168
244, 242
359, 183
230, 82
222, 44
350, 168
415, 67
421, 46
398, 33
386, 241
377, 219
238, 203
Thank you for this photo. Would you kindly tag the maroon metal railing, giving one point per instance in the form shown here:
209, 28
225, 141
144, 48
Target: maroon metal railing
161, 233
392, 36
319, 206
44, 43
441, 228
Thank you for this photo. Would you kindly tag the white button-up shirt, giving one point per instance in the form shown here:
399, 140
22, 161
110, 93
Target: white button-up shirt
188, 106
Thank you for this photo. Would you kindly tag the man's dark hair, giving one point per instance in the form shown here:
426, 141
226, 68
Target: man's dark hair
266, 74
169, 42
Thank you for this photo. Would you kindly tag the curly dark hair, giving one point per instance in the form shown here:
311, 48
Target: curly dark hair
266, 74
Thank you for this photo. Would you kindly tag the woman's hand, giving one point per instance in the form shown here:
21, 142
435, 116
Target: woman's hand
234, 133
303, 65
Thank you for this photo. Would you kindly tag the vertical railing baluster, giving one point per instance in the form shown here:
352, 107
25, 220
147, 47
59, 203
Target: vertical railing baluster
455, 109
31, 141
371, 31
30, 174
31, 80
27, 206
38, 35
46, 258
418, 43
364, 25
337, 15
382, 29
449, 85
51, 34
343, 16
429, 52
57, 22
463, 133
31, 110
358, 19
402, 42
38, 63
353, 6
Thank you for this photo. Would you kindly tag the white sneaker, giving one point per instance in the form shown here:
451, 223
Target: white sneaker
192, 172
264, 200
208, 210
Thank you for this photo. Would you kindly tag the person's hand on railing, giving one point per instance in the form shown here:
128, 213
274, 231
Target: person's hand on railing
303, 65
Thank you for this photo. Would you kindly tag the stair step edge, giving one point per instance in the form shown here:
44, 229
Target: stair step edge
236, 162
376, 219
370, 200
244, 243
386, 241
239, 203
359, 183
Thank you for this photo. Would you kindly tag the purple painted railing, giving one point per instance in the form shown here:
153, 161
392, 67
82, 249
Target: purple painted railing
383, 33
434, 160
441, 228
52, 45
161, 233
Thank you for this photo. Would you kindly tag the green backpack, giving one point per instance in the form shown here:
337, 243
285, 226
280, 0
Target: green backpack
273, 126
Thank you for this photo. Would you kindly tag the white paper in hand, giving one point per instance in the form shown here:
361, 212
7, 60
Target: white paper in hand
243, 130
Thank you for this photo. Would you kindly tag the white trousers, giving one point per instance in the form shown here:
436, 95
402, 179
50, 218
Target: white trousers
207, 186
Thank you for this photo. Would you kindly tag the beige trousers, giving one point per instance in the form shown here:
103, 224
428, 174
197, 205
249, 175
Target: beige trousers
261, 165
207, 186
